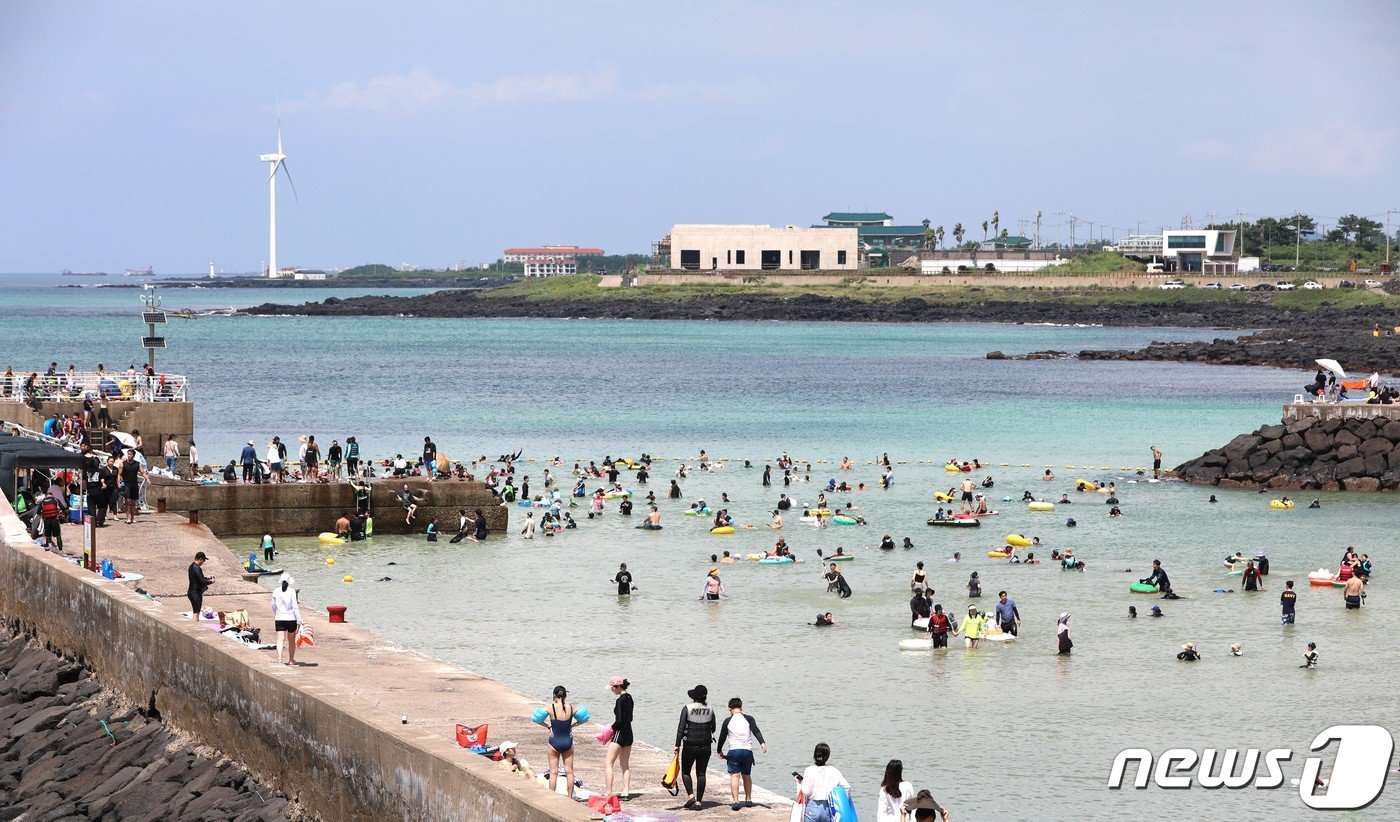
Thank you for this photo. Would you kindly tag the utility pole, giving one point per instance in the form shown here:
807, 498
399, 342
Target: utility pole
1073, 221
1388, 212
1037, 228
1297, 239
1239, 215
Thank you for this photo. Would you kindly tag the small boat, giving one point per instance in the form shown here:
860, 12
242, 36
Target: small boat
962, 523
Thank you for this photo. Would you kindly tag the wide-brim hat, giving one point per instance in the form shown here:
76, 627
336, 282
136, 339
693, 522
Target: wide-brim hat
699, 693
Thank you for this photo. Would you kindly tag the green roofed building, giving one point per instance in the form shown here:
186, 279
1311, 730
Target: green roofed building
1009, 241
856, 219
875, 230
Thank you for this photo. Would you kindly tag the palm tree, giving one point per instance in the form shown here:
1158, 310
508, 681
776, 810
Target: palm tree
984, 231
958, 233
996, 222
938, 240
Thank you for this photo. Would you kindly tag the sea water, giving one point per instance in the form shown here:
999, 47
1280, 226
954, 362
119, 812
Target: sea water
1009, 731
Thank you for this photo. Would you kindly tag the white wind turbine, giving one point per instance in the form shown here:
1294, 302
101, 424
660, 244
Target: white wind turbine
278, 160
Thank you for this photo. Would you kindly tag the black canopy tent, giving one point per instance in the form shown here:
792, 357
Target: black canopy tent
21, 453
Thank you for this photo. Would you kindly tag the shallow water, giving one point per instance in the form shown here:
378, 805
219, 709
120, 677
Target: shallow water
993, 732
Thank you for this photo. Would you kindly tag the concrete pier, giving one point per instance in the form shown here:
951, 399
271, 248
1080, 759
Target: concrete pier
329, 732
245, 509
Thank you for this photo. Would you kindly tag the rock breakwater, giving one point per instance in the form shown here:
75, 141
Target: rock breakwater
71, 751
1306, 454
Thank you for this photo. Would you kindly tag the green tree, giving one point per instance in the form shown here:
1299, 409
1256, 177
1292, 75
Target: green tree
939, 239
958, 233
984, 231
930, 237
996, 223
1361, 231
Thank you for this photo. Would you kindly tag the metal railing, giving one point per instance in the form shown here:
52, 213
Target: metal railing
80, 385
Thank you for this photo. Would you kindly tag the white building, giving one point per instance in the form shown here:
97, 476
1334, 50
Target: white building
549, 266
1186, 251
709, 247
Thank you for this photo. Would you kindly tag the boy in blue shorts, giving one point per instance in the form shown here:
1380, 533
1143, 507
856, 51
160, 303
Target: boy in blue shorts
740, 731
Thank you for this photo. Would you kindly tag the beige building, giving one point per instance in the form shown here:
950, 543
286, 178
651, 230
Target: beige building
761, 248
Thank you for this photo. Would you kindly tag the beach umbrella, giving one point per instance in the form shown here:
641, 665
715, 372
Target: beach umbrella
124, 438
1333, 366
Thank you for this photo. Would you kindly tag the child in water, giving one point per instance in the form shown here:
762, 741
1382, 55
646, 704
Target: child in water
974, 586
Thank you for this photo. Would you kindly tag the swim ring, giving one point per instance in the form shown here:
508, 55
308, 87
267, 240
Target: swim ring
998, 554
1280, 504
1017, 540
842, 558
776, 561
1144, 588
327, 536
842, 520
1041, 506
723, 529
969, 523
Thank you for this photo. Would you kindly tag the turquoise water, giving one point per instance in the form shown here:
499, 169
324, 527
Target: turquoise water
994, 732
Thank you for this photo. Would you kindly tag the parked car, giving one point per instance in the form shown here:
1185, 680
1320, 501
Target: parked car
1284, 285
1271, 267
1239, 287
1212, 286
1346, 284
1373, 283
1262, 287
1312, 285
1172, 285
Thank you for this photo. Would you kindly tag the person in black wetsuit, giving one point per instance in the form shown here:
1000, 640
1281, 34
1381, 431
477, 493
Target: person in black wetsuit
619, 751
675, 490
693, 737
1159, 578
918, 607
767, 475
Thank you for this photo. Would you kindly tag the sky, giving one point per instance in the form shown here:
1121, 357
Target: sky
440, 132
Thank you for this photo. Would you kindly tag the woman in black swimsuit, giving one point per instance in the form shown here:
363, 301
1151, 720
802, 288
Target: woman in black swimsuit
620, 747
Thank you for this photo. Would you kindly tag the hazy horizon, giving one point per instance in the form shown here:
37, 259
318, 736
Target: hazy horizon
441, 133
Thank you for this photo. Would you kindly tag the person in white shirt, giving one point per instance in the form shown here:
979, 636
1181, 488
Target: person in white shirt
286, 616
894, 792
274, 462
817, 783
740, 731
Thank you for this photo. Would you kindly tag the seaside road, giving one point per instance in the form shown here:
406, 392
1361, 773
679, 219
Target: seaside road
382, 681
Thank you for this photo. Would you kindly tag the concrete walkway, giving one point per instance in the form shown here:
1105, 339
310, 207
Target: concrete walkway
355, 666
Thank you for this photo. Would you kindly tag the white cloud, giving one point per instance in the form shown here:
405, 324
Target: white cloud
421, 89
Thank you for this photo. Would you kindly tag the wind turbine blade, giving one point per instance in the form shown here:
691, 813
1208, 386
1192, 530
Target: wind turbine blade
282, 164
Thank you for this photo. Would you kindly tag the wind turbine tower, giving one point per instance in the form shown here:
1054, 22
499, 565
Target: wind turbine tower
278, 160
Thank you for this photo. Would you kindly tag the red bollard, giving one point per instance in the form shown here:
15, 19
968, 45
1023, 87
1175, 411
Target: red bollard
337, 612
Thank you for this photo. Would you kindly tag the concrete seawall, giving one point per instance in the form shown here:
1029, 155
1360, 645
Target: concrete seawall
295, 508
327, 733
336, 755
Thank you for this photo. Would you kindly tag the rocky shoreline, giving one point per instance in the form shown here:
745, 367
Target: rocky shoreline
1048, 307
1352, 346
1307, 454
70, 751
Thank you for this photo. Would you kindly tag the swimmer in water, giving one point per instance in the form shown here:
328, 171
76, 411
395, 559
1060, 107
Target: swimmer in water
726, 559
1189, 653
777, 522
956, 557
624, 581
1048, 476
713, 588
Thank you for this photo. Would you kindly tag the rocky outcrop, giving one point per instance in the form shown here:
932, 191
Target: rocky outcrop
69, 750
1311, 454
1350, 344
669, 303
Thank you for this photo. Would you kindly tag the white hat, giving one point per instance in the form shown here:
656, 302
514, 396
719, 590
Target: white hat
505, 746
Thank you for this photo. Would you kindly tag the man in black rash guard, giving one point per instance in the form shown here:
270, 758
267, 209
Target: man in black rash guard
1158, 577
693, 736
